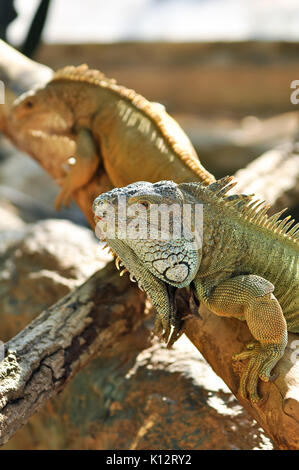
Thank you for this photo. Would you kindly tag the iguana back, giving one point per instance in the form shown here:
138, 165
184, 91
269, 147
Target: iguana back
114, 128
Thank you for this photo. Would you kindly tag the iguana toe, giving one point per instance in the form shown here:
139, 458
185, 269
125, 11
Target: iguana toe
63, 198
262, 359
174, 336
162, 328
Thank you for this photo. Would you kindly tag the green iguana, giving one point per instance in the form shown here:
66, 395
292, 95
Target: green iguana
106, 125
242, 258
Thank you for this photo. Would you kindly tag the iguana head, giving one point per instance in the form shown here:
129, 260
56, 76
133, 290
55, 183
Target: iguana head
43, 111
146, 225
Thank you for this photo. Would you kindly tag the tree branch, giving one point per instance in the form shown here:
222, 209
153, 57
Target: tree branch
48, 353
44, 357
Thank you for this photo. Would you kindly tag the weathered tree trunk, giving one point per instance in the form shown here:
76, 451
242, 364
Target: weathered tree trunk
274, 176
43, 357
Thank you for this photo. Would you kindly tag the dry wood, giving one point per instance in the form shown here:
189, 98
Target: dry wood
43, 357
274, 177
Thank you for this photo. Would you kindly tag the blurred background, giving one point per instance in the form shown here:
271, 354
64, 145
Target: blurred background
223, 69
161, 20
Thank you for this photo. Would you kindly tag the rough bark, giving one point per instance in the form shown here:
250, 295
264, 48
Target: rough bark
278, 410
44, 356
19, 74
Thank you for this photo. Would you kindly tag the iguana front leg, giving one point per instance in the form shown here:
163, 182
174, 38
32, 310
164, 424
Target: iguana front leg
80, 167
250, 298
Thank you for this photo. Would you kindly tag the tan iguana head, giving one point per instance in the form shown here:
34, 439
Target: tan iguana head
42, 110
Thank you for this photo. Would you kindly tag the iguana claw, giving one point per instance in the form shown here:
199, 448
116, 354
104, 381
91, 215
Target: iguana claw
63, 198
162, 328
262, 359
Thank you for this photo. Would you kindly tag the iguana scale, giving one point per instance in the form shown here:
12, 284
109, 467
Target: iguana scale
108, 127
246, 266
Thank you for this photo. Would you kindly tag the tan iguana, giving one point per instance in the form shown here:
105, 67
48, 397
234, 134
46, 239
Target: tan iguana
107, 126
243, 256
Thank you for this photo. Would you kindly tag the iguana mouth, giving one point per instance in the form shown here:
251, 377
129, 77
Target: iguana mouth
51, 135
171, 291
50, 123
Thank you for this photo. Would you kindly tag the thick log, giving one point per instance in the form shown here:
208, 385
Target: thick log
44, 357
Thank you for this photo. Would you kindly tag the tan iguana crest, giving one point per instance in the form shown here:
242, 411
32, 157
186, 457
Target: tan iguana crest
83, 74
247, 207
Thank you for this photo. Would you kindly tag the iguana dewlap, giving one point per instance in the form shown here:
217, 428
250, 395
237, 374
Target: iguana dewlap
111, 127
246, 264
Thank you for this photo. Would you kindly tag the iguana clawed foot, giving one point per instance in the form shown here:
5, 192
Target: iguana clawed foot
69, 183
262, 359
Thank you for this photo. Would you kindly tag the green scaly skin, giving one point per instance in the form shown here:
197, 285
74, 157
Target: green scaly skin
104, 127
246, 266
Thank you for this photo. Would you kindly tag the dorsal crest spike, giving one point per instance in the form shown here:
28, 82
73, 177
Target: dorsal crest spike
281, 223
260, 212
195, 189
219, 185
226, 189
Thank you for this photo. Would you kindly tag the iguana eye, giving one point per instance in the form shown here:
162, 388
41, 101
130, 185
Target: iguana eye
144, 204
